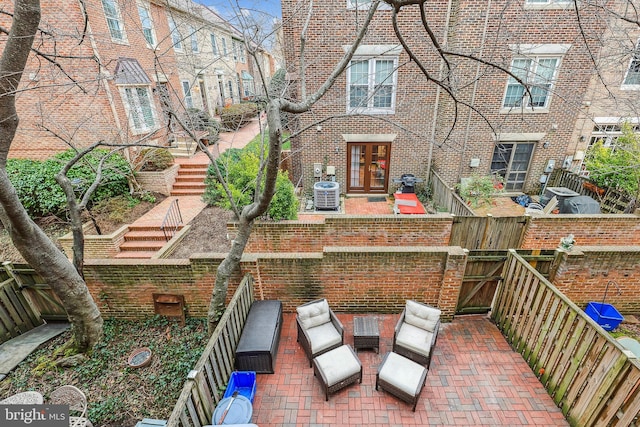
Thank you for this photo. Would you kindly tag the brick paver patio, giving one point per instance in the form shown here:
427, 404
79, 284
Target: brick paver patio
475, 380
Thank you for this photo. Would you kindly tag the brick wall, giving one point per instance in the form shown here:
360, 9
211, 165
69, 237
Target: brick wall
95, 246
584, 272
349, 230
356, 280
540, 232
545, 232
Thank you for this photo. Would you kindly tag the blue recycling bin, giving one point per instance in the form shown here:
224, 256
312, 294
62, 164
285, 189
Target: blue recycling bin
244, 382
605, 315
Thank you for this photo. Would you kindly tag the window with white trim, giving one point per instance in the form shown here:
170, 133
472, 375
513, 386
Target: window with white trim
538, 74
371, 84
548, 1
214, 45
176, 38
193, 36
114, 20
140, 111
609, 133
366, 4
147, 24
188, 99
224, 47
632, 77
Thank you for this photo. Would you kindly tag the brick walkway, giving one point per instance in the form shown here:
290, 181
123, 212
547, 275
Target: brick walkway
475, 380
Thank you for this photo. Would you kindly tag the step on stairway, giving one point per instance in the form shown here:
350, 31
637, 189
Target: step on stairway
142, 242
190, 180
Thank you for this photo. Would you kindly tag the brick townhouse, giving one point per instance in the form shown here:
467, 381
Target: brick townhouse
612, 96
383, 118
117, 78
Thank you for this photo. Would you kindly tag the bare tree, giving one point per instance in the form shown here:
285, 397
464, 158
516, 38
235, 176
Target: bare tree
34, 245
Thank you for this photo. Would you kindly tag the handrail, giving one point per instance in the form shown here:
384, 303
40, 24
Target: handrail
172, 220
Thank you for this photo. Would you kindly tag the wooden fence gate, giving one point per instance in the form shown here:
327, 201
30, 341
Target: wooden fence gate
487, 232
483, 272
17, 314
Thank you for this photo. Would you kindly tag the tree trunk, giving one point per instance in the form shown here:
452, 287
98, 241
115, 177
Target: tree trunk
34, 245
248, 216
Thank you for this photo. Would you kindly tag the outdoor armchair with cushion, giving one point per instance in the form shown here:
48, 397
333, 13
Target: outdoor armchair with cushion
416, 332
319, 330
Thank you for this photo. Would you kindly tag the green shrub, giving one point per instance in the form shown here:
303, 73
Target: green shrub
41, 195
240, 169
235, 116
154, 159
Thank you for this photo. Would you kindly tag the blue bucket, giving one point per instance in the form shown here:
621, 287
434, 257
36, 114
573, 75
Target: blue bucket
605, 315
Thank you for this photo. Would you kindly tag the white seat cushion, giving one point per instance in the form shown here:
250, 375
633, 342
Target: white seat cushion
313, 314
402, 373
338, 364
421, 316
415, 339
323, 336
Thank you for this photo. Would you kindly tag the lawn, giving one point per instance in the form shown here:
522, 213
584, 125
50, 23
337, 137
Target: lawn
117, 394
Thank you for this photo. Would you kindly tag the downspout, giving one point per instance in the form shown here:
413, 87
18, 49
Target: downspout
475, 89
103, 72
437, 101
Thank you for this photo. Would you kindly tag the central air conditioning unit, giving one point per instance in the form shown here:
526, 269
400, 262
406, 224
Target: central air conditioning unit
326, 195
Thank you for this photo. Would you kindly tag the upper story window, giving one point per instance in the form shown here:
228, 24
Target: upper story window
548, 4
238, 51
114, 20
632, 78
225, 52
147, 24
176, 38
214, 45
538, 74
193, 36
371, 83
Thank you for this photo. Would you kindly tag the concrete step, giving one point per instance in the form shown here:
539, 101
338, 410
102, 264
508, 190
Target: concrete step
142, 246
137, 255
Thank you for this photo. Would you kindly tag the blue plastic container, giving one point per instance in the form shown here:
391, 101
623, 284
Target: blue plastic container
244, 382
605, 315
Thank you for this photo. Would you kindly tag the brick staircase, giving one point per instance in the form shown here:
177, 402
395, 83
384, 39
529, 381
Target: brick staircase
190, 180
142, 242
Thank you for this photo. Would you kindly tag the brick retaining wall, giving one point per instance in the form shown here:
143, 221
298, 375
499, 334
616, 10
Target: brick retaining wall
355, 280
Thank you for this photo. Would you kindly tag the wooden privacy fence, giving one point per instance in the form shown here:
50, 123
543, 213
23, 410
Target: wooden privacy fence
39, 294
206, 382
17, 315
585, 371
446, 198
488, 232
611, 201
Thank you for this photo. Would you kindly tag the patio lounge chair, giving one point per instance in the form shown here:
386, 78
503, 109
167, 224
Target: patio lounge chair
416, 332
77, 401
319, 330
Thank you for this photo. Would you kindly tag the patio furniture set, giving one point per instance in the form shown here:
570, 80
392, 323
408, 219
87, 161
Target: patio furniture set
402, 372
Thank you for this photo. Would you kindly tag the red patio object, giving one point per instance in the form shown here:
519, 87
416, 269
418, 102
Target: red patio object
417, 209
